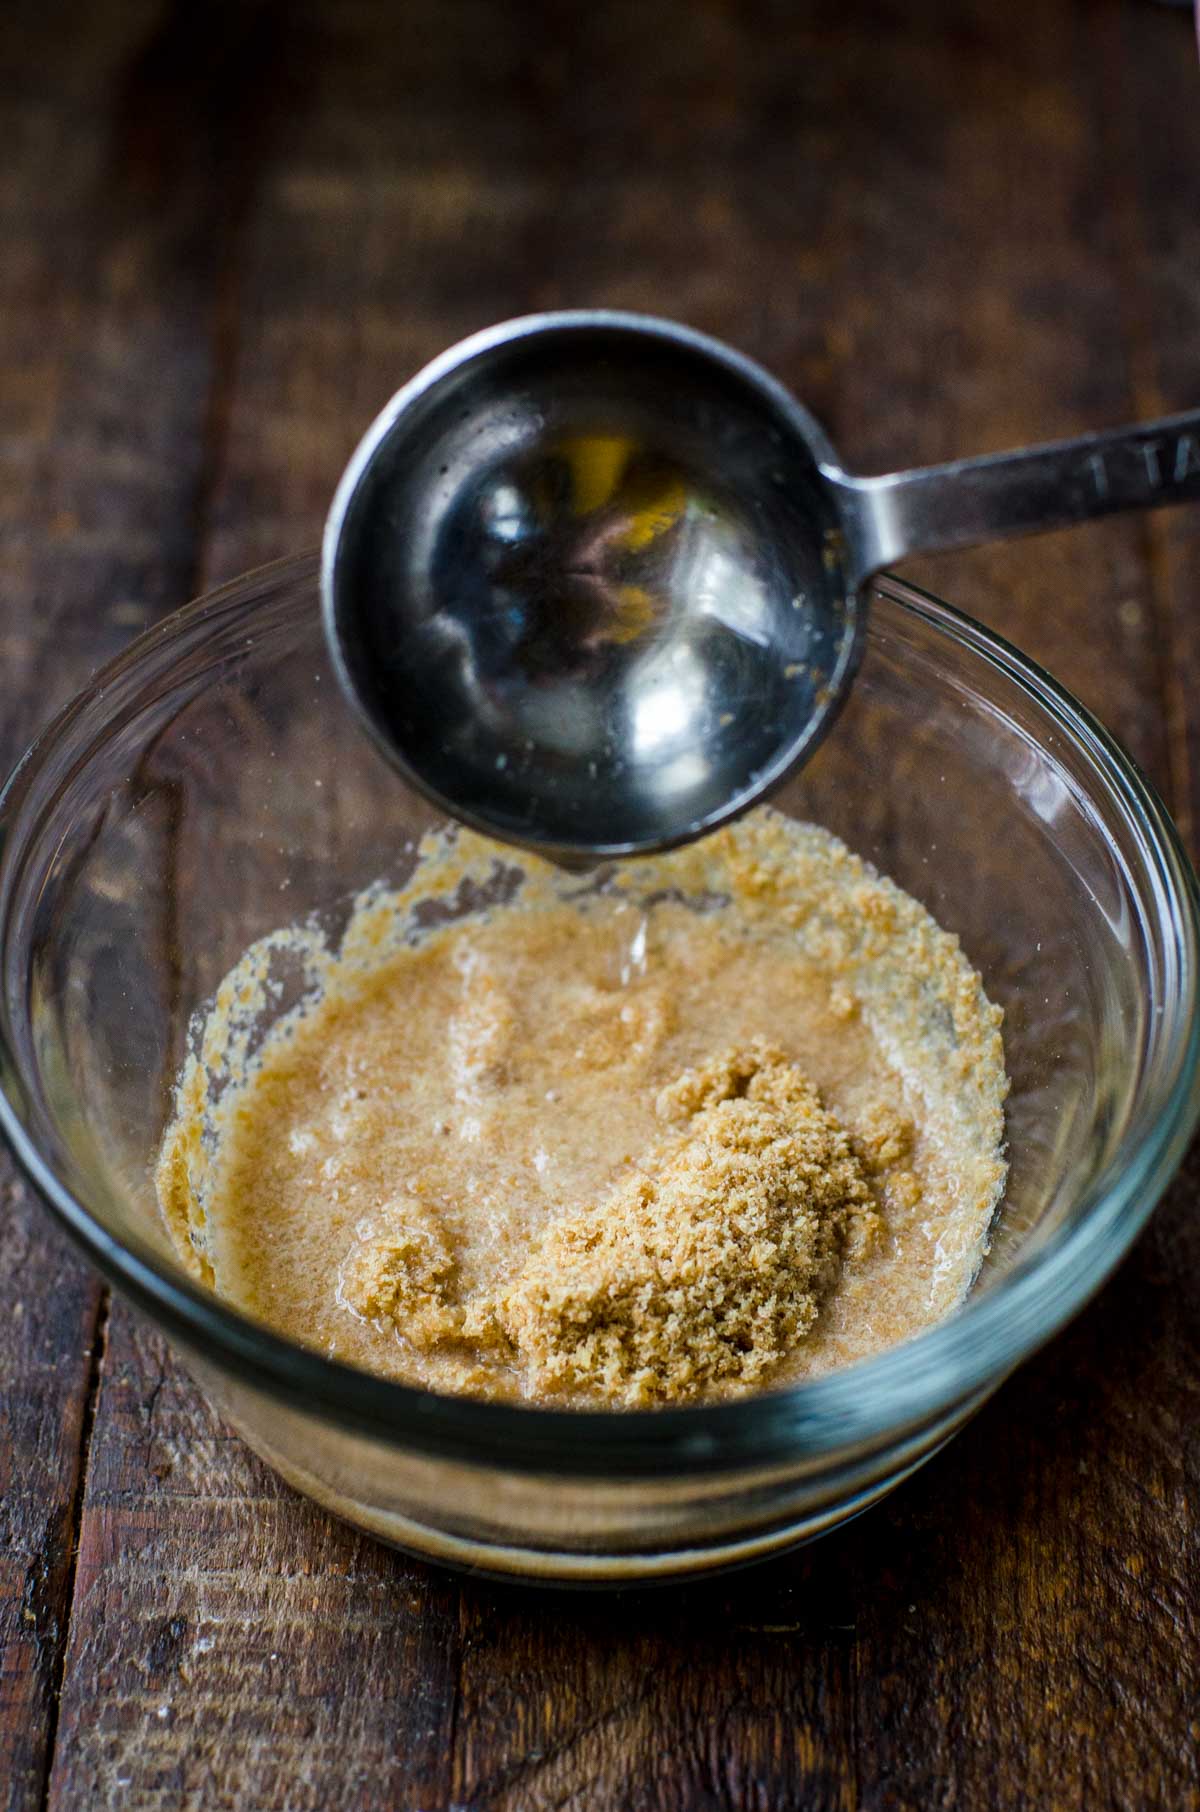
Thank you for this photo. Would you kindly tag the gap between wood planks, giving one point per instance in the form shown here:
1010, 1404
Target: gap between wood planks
99, 1345
1121, 145
175, 158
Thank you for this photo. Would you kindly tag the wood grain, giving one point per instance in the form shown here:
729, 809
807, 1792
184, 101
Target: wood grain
230, 1645
950, 233
111, 216
50, 1320
87, 521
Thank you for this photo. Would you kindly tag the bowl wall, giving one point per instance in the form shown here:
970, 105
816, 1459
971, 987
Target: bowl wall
212, 787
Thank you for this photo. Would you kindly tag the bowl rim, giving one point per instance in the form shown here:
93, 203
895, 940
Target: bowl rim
820, 1420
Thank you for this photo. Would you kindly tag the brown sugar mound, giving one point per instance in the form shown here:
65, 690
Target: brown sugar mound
708, 1267
401, 1269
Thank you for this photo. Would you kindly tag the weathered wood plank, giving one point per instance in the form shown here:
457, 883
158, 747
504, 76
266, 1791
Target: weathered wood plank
231, 1646
991, 1600
988, 312
104, 369
995, 1663
729, 1694
906, 212
1153, 142
50, 1307
1035, 1642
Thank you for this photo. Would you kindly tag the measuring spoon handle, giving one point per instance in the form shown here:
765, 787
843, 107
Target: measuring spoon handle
1003, 494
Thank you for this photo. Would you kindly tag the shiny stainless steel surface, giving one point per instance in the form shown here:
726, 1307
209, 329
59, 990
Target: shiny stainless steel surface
592, 579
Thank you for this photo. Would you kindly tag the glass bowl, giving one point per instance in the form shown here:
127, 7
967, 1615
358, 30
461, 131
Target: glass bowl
209, 786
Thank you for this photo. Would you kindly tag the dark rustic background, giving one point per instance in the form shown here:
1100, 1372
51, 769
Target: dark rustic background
227, 232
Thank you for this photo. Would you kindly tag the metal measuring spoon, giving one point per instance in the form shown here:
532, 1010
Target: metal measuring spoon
595, 581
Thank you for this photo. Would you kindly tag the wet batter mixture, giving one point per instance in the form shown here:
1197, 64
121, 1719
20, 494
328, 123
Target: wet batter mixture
706, 1123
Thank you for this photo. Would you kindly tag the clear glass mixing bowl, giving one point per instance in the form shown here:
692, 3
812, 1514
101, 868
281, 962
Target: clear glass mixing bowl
210, 786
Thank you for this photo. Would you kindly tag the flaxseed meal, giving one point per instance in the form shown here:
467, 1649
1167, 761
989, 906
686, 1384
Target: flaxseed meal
709, 1123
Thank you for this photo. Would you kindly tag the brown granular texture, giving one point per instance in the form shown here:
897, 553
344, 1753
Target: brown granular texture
708, 1267
401, 1269
883, 1140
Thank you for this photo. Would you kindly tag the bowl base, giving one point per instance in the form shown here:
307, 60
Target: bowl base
595, 1567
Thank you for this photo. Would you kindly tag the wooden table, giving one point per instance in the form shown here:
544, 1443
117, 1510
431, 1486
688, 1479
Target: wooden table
226, 233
